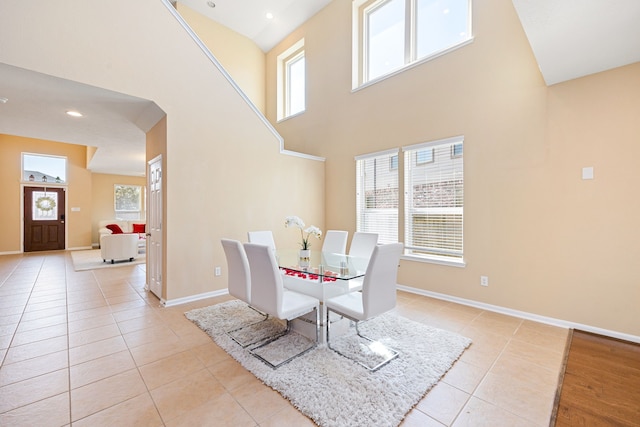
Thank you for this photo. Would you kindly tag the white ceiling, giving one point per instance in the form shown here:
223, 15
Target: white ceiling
248, 17
575, 38
569, 38
115, 123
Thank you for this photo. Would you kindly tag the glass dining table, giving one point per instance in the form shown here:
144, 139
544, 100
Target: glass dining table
326, 275
324, 267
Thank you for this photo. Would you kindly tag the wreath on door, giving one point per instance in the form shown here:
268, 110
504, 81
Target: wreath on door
45, 203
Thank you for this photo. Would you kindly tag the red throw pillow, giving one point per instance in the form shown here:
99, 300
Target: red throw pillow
138, 228
115, 228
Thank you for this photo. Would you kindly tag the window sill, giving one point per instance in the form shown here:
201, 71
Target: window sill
411, 65
435, 260
44, 183
284, 119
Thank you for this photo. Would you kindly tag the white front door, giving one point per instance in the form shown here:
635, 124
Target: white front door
154, 227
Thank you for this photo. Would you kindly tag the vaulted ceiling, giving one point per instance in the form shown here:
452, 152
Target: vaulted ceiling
575, 38
249, 17
569, 38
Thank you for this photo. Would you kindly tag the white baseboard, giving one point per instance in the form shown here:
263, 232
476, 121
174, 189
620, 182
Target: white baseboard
489, 307
11, 253
523, 314
192, 298
78, 248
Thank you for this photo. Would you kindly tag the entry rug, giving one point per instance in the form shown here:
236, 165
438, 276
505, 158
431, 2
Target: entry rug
92, 259
334, 391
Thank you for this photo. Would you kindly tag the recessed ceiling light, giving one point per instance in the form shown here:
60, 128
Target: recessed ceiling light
3, 100
211, 4
269, 15
74, 113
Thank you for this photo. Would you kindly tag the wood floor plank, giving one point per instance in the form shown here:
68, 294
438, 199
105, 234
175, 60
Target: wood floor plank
601, 383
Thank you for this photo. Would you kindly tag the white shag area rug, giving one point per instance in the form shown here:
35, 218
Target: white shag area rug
332, 390
91, 259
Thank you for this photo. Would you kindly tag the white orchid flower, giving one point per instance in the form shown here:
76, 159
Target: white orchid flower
295, 221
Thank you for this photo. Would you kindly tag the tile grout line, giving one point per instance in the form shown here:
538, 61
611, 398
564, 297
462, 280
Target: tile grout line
66, 285
484, 377
25, 305
137, 368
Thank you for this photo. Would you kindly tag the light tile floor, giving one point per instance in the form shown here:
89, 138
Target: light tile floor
93, 348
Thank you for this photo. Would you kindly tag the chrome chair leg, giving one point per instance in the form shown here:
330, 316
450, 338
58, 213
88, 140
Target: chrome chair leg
393, 353
243, 344
276, 337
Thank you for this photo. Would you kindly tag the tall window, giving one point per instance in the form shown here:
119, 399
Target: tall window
128, 201
392, 34
434, 200
377, 195
291, 81
384, 37
41, 168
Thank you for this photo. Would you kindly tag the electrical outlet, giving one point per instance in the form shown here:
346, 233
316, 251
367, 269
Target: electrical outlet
218, 271
484, 280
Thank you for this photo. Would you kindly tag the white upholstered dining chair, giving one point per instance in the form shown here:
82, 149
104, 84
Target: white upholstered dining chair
335, 241
361, 248
239, 282
264, 237
268, 295
362, 244
378, 295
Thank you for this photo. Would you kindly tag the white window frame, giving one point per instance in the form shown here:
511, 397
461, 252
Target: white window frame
284, 92
436, 255
50, 179
366, 218
360, 10
128, 214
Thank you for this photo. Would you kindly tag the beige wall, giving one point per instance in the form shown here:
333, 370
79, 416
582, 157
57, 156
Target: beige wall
239, 56
552, 244
102, 200
224, 173
78, 190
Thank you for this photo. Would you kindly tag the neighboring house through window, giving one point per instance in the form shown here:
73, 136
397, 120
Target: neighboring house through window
43, 168
393, 34
434, 200
291, 83
377, 195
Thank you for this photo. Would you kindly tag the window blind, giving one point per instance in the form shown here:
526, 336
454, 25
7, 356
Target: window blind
434, 199
377, 195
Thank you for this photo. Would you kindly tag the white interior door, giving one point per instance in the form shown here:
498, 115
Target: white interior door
154, 227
